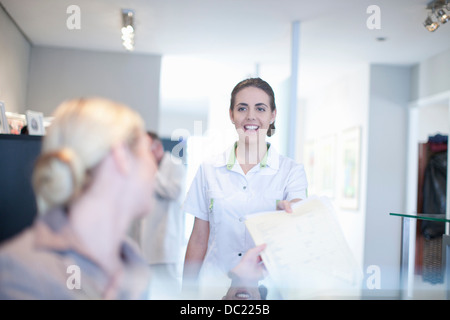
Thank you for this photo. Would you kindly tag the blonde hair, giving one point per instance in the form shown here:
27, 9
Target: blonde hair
80, 136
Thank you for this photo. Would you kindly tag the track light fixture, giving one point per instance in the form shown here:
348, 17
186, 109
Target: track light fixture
430, 24
128, 29
439, 14
443, 16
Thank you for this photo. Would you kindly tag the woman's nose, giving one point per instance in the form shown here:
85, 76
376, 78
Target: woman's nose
250, 115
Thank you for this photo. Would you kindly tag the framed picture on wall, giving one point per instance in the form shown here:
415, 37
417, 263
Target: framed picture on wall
350, 168
35, 123
326, 165
309, 161
319, 159
4, 127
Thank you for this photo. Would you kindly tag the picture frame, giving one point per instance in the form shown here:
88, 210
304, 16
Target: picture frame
35, 123
350, 168
4, 127
319, 159
310, 164
326, 164
16, 122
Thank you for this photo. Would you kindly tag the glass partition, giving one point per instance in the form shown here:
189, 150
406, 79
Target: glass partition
424, 256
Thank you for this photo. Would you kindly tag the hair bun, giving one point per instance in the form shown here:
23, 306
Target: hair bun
58, 177
271, 130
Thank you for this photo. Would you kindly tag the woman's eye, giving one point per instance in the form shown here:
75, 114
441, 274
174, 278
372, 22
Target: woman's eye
241, 109
261, 109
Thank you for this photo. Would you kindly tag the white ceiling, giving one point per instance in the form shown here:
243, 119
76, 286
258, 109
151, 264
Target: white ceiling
245, 31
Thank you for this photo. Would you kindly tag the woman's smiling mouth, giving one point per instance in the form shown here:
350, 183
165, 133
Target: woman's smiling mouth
251, 127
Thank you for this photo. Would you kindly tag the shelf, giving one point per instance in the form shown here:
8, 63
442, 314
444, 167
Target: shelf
423, 216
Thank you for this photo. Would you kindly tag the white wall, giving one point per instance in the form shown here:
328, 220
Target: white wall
433, 119
431, 77
375, 99
386, 173
328, 112
14, 61
57, 74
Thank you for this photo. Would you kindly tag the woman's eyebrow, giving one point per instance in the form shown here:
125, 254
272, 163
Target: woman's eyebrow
246, 104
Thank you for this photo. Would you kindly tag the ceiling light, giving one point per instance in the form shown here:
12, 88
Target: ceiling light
128, 29
430, 24
437, 14
442, 16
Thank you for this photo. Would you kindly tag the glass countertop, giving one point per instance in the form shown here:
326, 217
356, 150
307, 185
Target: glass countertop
422, 216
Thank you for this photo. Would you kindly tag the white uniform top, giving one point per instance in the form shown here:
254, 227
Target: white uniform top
223, 195
162, 230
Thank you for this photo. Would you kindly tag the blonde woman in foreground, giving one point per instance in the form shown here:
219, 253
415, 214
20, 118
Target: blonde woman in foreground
94, 176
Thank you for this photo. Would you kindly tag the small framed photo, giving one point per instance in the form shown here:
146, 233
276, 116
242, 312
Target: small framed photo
4, 127
16, 122
35, 123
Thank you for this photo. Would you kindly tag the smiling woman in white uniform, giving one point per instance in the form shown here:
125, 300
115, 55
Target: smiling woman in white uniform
249, 177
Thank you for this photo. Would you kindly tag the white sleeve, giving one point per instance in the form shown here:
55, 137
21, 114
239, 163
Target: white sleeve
297, 185
196, 198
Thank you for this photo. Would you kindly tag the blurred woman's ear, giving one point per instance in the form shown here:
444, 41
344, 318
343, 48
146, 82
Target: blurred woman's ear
121, 157
159, 151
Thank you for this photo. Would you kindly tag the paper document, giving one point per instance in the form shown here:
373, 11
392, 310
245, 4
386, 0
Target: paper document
307, 255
